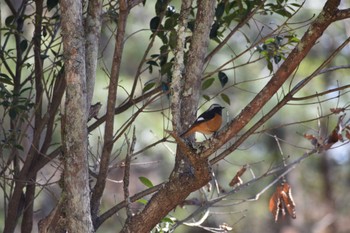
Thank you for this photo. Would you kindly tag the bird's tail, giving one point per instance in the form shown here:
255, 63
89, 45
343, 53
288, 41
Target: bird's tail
188, 133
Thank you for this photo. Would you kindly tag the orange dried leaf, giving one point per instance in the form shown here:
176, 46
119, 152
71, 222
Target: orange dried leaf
309, 136
337, 110
347, 134
282, 200
331, 139
288, 200
237, 178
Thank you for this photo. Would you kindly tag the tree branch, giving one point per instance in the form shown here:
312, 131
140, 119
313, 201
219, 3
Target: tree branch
342, 14
92, 35
109, 126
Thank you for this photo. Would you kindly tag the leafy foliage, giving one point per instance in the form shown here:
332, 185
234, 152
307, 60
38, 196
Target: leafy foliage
274, 49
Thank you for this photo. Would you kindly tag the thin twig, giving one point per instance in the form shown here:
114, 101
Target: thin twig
126, 178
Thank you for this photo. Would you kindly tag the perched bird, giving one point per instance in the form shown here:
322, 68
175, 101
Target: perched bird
207, 123
94, 110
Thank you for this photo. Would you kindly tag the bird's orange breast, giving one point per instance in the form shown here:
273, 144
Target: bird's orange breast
206, 127
210, 126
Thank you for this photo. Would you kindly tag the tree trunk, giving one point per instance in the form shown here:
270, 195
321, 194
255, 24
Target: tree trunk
76, 180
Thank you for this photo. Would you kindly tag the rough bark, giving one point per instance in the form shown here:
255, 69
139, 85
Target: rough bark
92, 32
76, 187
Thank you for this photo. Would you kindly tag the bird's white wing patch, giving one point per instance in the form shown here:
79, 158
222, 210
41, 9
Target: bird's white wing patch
200, 119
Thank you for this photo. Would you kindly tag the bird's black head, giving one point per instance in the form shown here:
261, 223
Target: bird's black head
216, 108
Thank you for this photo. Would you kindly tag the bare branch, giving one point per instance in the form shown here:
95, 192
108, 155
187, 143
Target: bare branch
109, 126
127, 172
343, 14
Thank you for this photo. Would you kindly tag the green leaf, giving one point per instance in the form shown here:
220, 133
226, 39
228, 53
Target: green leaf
142, 201
207, 83
277, 59
24, 90
148, 86
246, 37
214, 30
225, 98
9, 21
51, 4
146, 182
170, 23
223, 78
154, 23
220, 10
206, 97
166, 68
163, 57
23, 45
284, 13
13, 113
172, 39
295, 4
43, 56
270, 40
294, 39
152, 63
269, 66
160, 6
19, 147
167, 219
4, 78
150, 69
5, 104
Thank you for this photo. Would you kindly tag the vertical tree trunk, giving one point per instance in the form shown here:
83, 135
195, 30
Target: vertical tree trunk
76, 187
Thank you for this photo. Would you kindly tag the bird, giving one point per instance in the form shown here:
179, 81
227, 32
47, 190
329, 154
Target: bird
207, 123
94, 110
